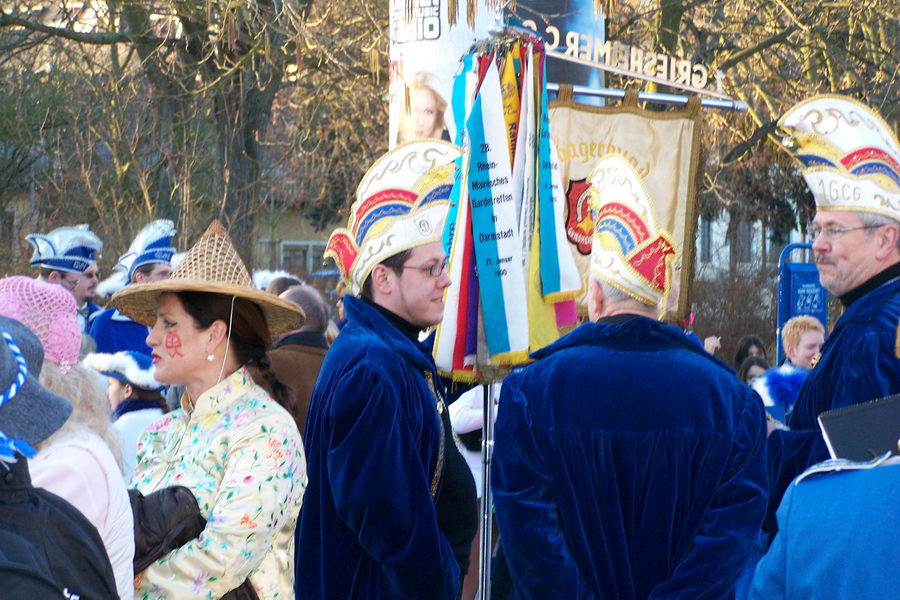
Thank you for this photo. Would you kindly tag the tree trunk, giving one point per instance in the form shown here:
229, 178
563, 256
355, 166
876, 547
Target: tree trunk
243, 111
668, 25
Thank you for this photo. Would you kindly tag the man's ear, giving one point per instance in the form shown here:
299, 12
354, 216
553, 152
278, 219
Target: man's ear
887, 241
128, 390
381, 280
596, 299
54, 277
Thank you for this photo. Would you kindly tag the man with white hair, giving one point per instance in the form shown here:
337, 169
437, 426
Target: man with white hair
851, 162
67, 256
628, 462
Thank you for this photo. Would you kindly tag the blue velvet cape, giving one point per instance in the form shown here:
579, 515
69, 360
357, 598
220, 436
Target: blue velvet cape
114, 332
629, 463
368, 527
858, 364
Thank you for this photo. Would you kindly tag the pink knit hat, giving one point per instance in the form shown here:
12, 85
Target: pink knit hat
47, 309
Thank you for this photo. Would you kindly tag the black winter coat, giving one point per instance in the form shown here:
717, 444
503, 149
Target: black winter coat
48, 549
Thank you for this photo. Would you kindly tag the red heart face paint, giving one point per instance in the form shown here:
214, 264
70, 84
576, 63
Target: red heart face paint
173, 344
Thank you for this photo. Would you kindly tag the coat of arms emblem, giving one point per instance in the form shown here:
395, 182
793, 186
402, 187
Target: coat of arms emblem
579, 222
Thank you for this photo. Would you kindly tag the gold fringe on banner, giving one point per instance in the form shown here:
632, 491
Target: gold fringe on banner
409, 11
452, 12
407, 103
471, 12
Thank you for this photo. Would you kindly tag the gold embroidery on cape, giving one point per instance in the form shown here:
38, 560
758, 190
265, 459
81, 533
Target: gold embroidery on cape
439, 406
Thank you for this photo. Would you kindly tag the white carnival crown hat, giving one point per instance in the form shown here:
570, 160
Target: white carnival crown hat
153, 244
629, 250
401, 203
71, 249
850, 156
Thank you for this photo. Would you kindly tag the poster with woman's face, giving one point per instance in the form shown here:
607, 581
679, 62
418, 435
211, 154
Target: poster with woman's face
425, 53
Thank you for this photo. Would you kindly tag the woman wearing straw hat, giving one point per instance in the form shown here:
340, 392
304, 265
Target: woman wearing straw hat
230, 442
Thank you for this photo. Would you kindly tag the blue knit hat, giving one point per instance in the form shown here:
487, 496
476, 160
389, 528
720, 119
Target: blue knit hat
134, 368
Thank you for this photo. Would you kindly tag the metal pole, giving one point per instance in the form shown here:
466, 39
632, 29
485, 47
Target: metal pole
583, 90
487, 448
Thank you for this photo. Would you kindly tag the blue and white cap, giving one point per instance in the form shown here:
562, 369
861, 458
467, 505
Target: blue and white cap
152, 245
134, 368
71, 249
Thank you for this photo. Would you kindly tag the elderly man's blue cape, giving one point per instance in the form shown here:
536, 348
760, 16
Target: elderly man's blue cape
368, 527
629, 463
858, 364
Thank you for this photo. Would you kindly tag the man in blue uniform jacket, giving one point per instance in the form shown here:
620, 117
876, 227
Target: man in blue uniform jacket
68, 256
390, 508
852, 166
149, 258
838, 528
629, 463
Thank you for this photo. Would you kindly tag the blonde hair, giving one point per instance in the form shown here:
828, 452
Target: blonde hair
90, 409
424, 80
795, 327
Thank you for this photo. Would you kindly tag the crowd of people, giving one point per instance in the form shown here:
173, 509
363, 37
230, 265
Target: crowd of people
200, 437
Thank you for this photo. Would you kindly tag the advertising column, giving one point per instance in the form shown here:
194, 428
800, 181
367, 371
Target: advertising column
424, 53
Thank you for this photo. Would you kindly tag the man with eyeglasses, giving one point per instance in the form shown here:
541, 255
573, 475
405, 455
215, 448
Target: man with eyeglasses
390, 508
851, 163
67, 256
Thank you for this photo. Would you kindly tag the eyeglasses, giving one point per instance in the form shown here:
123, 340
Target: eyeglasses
831, 233
69, 284
435, 270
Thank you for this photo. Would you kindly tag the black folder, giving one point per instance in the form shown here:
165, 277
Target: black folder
863, 431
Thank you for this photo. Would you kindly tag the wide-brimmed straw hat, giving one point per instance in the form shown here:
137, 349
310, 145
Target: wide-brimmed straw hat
213, 266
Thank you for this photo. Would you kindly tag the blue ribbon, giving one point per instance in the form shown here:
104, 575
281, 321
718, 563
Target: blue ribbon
10, 447
19, 381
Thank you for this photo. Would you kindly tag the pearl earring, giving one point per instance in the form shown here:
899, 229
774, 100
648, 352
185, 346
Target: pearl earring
210, 357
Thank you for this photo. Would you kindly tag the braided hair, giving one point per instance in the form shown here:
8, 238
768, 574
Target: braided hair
249, 335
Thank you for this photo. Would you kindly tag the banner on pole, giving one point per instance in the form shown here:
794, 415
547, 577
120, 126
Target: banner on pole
663, 147
514, 280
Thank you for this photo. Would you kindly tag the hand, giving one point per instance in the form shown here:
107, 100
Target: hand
712, 343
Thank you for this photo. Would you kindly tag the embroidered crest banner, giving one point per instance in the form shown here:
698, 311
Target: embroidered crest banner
663, 147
